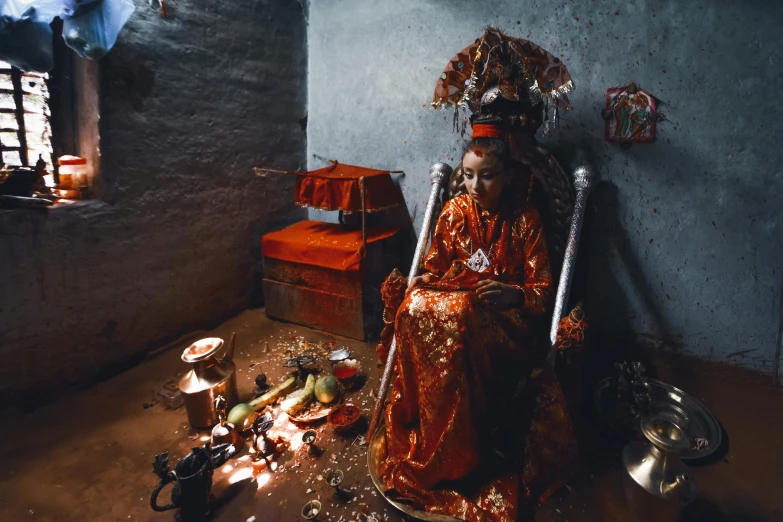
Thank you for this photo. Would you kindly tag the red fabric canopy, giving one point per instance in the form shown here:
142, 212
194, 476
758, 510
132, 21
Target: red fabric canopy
322, 244
337, 187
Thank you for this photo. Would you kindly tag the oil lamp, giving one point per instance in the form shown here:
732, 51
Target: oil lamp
311, 509
334, 479
308, 439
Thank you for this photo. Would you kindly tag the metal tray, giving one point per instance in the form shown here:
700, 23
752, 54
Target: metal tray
692, 416
375, 451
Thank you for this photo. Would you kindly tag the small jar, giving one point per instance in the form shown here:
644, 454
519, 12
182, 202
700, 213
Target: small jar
73, 172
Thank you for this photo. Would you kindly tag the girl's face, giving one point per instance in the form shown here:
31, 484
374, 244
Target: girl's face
485, 178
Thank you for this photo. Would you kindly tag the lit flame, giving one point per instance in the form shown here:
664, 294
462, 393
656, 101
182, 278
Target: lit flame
285, 429
241, 474
263, 479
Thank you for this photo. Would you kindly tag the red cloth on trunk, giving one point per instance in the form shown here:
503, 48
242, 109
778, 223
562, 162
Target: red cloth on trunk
337, 187
329, 245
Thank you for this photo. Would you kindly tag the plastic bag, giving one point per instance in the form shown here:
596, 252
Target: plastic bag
25, 35
46, 9
94, 33
73, 8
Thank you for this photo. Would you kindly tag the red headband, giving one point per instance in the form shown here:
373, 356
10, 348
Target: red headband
487, 130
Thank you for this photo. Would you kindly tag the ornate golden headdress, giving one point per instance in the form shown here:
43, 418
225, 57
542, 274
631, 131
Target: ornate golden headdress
502, 79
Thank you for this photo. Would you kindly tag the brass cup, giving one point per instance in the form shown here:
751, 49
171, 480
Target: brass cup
308, 438
334, 479
311, 509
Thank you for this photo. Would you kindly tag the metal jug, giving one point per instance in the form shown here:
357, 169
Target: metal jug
209, 378
657, 485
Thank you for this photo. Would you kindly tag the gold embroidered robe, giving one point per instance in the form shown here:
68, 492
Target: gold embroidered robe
459, 362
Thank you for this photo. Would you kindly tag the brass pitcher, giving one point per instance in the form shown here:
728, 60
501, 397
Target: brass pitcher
209, 378
657, 484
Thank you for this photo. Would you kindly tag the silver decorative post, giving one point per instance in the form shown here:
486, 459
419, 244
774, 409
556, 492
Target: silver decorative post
439, 173
584, 182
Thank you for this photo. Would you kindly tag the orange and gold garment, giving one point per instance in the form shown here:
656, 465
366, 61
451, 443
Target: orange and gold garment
462, 367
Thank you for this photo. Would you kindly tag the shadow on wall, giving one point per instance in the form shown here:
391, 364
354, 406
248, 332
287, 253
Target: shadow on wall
607, 299
283, 186
393, 217
605, 236
721, 223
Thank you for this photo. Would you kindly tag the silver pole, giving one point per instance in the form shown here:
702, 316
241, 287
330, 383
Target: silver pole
584, 182
439, 173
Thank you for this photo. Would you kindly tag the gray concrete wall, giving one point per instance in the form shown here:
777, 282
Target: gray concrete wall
188, 105
683, 244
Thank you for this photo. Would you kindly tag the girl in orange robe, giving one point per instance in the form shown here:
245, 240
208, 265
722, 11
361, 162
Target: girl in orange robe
469, 332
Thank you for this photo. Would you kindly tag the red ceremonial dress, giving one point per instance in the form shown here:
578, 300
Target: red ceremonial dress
459, 363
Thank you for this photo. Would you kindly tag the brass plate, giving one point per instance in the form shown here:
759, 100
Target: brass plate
374, 451
701, 422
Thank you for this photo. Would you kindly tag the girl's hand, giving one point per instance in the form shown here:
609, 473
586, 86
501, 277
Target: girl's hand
499, 295
424, 278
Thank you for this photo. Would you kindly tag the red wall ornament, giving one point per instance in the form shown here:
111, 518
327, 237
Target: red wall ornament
630, 115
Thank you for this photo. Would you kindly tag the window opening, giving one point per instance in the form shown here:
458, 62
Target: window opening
25, 128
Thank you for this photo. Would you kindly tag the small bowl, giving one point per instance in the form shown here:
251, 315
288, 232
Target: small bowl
349, 373
339, 355
345, 417
347, 369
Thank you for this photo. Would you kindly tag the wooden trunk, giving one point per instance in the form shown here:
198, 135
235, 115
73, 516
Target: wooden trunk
343, 302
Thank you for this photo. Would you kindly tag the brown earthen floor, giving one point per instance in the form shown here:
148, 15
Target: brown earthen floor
89, 456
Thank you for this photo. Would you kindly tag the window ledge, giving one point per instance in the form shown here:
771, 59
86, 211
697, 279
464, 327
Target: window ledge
84, 206
75, 203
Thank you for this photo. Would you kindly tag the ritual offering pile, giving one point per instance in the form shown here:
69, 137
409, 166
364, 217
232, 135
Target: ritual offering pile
304, 396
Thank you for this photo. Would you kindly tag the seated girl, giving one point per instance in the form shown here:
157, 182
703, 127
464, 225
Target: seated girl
476, 426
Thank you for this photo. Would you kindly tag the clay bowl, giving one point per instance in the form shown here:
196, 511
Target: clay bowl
345, 418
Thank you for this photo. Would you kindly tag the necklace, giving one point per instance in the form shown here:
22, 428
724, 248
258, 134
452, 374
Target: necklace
481, 259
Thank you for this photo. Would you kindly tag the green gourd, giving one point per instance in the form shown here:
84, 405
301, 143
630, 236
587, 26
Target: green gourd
326, 389
299, 399
239, 414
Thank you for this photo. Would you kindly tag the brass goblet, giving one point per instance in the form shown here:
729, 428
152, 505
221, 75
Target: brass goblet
308, 438
334, 479
311, 509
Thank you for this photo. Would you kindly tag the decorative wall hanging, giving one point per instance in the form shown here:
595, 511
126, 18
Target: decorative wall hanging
630, 115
